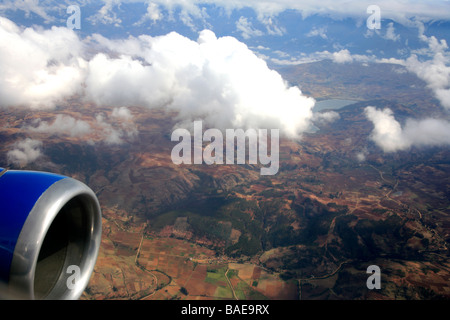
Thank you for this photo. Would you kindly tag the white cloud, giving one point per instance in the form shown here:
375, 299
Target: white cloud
361, 155
404, 11
106, 14
153, 13
122, 113
24, 152
246, 28
272, 27
428, 132
188, 11
318, 32
38, 67
114, 132
387, 32
387, 133
390, 136
218, 79
62, 124
110, 134
281, 54
326, 117
390, 33
443, 95
435, 71
431, 64
113, 129
342, 56
396, 10
27, 6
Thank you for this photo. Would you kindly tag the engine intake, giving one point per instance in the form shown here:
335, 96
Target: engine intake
50, 233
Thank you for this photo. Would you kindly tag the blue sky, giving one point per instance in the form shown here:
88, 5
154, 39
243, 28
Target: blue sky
287, 28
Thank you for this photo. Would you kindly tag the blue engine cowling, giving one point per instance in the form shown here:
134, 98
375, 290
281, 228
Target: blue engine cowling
50, 233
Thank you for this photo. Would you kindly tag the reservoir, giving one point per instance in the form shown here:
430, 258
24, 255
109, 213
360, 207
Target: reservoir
332, 104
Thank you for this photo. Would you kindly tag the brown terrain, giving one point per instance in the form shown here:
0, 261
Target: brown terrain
226, 232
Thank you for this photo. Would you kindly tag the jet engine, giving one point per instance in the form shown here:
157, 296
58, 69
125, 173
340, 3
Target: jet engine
50, 232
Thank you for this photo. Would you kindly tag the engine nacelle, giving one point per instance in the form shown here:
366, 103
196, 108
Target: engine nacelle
50, 233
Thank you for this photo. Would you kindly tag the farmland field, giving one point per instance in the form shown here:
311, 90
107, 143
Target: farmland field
197, 273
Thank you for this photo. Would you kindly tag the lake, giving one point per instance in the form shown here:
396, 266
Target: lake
332, 104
